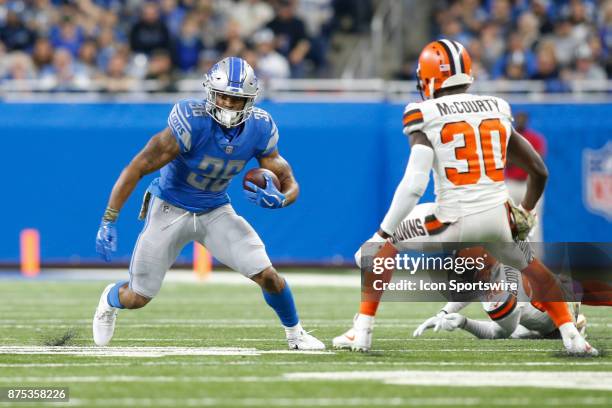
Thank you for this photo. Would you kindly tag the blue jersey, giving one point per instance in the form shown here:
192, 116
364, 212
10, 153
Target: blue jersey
210, 157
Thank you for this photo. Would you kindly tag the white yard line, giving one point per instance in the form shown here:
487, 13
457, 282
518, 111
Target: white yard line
225, 278
147, 351
138, 378
339, 401
583, 380
209, 362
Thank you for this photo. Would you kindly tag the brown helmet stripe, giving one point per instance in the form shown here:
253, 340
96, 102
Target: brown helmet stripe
449, 56
460, 50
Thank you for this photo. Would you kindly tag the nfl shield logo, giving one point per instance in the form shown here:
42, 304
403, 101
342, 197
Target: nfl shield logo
229, 149
597, 179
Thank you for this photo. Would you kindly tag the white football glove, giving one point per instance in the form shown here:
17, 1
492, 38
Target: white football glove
374, 239
429, 324
450, 322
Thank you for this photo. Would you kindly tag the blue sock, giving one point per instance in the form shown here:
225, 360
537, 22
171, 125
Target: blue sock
283, 305
113, 295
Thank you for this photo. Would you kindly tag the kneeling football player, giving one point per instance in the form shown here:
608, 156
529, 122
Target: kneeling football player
206, 143
509, 317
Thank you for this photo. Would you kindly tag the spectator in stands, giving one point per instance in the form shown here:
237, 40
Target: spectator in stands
40, 15
188, 45
516, 178
518, 62
541, 9
605, 33
291, 38
478, 69
207, 59
67, 35
64, 75
580, 19
501, 15
251, 15
174, 16
473, 16
160, 70
150, 33
14, 33
492, 45
107, 47
564, 42
19, 67
529, 30
42, 54
586, 67
233, 43
87, 57
547, 67
453, 30
270, 64
116, 78
317, 16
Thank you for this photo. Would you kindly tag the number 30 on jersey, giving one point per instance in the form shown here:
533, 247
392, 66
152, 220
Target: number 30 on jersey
470, 153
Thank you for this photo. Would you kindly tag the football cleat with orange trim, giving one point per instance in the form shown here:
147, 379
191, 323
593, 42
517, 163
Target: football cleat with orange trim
443, 64
358, 337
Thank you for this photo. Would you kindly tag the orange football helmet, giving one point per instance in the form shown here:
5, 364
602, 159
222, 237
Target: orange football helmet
443, 64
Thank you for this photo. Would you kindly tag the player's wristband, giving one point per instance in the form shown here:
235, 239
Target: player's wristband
110, 214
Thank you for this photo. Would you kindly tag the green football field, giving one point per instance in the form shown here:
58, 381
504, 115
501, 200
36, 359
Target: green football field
220, 345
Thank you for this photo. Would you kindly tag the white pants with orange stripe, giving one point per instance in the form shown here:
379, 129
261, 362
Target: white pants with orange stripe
534, 322
421, 231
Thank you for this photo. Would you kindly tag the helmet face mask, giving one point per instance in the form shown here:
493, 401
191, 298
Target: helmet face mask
235, 78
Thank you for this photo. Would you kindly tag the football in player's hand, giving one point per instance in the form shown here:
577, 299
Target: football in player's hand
256, 176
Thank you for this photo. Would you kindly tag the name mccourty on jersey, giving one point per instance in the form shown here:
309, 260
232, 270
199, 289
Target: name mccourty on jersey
481, 105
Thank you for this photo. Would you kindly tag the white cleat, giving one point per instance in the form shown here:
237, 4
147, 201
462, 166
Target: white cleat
359, 337
104, 320
345, 341
300, 339
576, 345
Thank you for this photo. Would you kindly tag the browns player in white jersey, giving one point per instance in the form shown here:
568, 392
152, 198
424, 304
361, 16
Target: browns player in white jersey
466, 140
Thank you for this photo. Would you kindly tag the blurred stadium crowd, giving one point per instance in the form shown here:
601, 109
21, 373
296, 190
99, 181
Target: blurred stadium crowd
555, 41
113, 45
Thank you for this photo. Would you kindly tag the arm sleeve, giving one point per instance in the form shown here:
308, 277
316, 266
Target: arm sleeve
181, 126
522, 332
485, 330
411, 187
270, 141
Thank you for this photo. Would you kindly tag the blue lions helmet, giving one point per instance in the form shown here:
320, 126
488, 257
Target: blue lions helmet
231, 76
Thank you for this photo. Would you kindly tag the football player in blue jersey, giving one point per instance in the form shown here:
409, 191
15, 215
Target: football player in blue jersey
206, 143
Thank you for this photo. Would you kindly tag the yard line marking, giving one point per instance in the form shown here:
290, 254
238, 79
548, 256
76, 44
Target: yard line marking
583, 380
24, 318
148, 351
339, 401
325, 363
160, 351
138, 378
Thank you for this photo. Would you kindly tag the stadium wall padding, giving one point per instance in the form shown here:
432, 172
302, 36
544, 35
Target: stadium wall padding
60, 161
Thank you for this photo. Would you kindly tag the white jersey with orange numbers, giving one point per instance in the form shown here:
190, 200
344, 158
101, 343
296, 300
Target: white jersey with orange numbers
469, 134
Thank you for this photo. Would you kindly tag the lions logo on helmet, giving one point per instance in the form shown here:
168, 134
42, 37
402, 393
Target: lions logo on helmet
234, 77
443, 64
